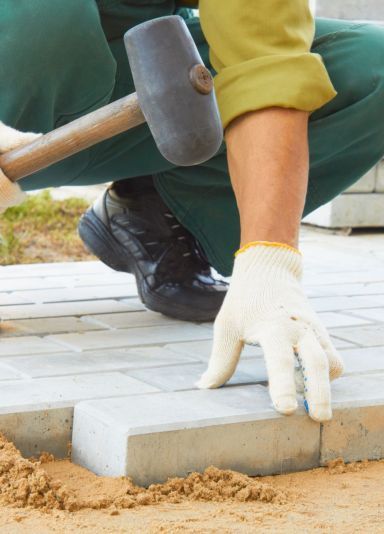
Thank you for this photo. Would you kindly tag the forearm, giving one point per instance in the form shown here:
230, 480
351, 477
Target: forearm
268, 163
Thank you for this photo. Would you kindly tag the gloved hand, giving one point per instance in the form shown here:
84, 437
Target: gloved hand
10, 193
265, 304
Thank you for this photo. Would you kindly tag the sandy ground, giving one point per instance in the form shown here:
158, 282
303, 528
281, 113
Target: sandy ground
57, 496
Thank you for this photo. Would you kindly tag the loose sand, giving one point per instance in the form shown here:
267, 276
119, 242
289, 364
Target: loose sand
57, 496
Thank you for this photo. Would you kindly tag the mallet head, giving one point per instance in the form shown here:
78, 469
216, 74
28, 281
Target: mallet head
175, 90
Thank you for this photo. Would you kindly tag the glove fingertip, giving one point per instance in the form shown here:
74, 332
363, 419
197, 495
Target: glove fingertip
205, 383
320, 412
286, 405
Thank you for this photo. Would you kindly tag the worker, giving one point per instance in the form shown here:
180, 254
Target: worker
301, 102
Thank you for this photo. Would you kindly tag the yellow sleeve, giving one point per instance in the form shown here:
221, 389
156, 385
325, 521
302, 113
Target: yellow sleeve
261, 53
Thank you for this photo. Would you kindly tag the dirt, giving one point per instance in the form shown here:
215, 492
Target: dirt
49, 495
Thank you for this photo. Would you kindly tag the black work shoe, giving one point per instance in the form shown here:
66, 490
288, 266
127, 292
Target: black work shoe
138, 234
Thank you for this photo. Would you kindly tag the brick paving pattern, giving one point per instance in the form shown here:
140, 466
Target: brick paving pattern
82, 360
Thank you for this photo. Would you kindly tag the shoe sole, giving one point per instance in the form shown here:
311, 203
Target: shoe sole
100, 242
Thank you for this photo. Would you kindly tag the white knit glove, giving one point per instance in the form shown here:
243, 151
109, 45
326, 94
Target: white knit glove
265, 304
10, 193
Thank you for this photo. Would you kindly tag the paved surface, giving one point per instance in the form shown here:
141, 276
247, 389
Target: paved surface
76, 335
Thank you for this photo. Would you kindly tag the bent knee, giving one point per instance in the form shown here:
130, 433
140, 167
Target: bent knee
364, 61
41, 32
55, 48
45, 19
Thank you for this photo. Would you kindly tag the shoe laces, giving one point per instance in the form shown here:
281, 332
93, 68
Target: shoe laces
182, 254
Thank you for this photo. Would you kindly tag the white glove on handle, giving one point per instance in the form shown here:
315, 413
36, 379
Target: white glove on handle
10, 192
265, 304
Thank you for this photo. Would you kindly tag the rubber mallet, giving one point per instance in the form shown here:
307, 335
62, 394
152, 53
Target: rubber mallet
174, 95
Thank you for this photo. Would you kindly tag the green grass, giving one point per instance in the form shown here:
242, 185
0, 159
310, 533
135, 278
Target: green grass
42, 230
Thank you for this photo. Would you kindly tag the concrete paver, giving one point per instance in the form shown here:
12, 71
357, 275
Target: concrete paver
333, 320
9, 373
62, 309
63, 391
373, 314
202, 350
344, 303
129, 337
77, 340
8, 299
230, 428
14, 346
129, 319
357, 430
364, 360
184, 377
75, 363
79, 293
366, 335
50, 325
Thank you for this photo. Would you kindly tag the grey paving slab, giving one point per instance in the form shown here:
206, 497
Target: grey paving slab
362, 10
314, 291
350, 211
341, 344
366, 335
336, 319
9, 299
367, 183
358, 390
32, 282
354, 435
50, 325
345, 290
55, 269
130, 337
8, 284
341, 303
97, 280
79, 293
27, 345
356, 431
364, 360
380, 178
132, 381
134, 301
373, 314
62, 309
184, 377
231, 427
34, 432
59, 392
130, 319
71, 363
357, 276
320, 262
9, 373
202, 350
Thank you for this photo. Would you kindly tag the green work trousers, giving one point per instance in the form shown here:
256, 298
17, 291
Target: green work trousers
61, 59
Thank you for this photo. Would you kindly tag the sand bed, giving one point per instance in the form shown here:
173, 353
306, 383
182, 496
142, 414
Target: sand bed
56, 496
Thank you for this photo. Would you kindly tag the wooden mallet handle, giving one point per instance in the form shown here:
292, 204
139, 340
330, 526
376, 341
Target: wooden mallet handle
75, 136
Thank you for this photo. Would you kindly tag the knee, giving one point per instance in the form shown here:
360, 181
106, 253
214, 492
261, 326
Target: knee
55, 59
64, 21
366, 61
56, 47
39, 32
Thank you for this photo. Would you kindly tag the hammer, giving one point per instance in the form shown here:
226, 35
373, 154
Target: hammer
174, 95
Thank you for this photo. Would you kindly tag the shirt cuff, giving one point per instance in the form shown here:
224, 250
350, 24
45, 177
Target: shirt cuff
299, 82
